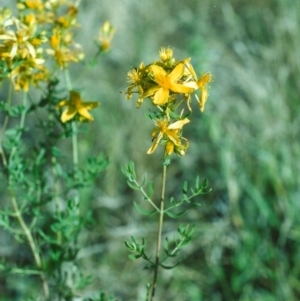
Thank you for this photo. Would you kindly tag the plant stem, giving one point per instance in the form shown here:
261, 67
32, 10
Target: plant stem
68, 268
5, 125
21, 125
75, 144
146, 195
18, 213
32, 244
159, 232
56, 196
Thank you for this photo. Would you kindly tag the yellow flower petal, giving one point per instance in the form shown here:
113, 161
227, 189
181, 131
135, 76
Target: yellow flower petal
178, 124
161, 96
181, 88
155, 144
177, 73
62, 103
150, 92
202, 84
68, 114
169, 148
159, 74
203, 98
83, 111
76, 106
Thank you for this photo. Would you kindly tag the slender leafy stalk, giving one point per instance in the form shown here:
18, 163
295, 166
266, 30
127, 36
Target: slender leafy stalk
159, 232
18, 213
32, 244
5, 122
75, 144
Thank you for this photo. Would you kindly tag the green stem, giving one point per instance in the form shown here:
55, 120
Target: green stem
32, 244
75, 144
17, 211
5, 125
146, 195
159, 232
74, 125
181, 202
68, 79
56, 196
21, 126
64, 268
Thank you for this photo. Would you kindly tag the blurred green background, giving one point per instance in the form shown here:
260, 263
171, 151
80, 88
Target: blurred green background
246, 143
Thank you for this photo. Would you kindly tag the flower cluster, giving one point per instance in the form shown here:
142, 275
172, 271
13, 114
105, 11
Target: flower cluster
169, 85
21, 54
39, 43
59, 18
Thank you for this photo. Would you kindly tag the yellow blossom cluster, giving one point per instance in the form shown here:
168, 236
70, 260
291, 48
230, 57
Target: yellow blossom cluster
21, 54
42, 28
169, 84
39, 42
59, 18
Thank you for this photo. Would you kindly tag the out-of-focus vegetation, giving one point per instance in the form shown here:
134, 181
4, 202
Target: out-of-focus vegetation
246, 143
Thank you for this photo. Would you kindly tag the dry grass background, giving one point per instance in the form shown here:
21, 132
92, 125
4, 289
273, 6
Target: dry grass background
246, 143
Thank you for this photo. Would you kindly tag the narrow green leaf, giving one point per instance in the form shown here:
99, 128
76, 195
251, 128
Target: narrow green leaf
185, 187
16, 111
144, 180
3, 105
12, 132
150, 189
133, 186
128, 245
132, 169
143, 211
166, 161
56, 152
133, 239
46, 237
168, 267
174, 215
174, 115
133, 256
172, 200
197, 183
195, 204
166, 246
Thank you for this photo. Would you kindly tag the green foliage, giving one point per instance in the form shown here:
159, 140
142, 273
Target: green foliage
38, 180
43, 190
185, 232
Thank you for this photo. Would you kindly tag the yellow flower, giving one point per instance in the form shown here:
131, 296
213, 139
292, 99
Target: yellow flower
171, 133
135, 77
106, 34
19, 42
166, 54
202, 84
69, 19
30, 71
36, 4
75, 106
166, 82
61, 50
